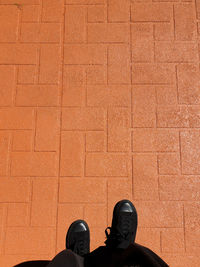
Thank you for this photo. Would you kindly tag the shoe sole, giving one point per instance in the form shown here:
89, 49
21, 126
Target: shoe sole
70, 230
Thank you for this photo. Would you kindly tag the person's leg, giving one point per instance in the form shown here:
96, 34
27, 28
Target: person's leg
122, 234
36, 263
121, 249
135, 255
103, 257
77, 245
67, 258
141, 256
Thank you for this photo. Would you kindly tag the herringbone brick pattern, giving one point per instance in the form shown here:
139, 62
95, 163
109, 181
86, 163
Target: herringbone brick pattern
99, 101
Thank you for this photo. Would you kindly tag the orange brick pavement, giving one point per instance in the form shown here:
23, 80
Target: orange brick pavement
99, 101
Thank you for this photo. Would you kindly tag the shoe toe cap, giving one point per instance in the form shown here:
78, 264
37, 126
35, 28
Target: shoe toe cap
80, 227
126, 207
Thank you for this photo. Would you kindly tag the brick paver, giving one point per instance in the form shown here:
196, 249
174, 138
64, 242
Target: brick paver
99, 101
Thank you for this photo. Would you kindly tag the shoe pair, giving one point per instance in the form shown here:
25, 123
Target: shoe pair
122, 232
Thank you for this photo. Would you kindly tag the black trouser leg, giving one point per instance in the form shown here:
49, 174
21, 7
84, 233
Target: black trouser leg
66, 258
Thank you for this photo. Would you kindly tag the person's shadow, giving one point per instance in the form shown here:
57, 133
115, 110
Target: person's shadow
36, 263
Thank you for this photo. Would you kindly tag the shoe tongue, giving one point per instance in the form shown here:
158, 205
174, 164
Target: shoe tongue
125, 224
80, 242
126, 213
80, 235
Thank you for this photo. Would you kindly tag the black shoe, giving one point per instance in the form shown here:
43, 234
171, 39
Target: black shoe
78, 238
124, 225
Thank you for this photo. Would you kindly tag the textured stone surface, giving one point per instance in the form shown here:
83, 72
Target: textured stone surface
99, 101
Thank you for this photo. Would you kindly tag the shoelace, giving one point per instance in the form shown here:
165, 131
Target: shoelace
126, 222
116, 236
120, 233
80, 246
